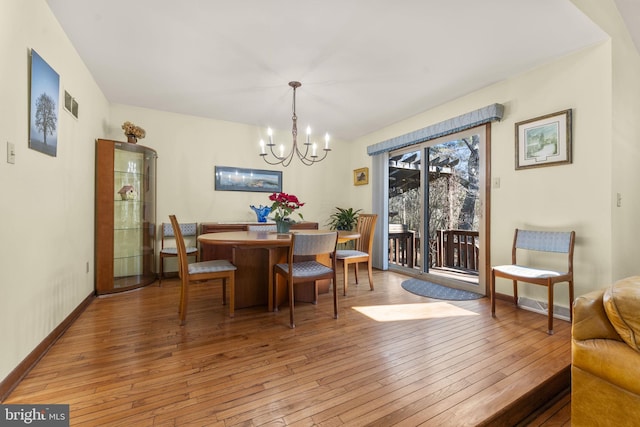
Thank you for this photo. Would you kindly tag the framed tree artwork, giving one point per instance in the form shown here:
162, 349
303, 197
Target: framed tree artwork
544, 141
44, 94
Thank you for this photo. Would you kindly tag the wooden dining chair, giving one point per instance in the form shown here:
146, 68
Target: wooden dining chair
201, 271
362, 252
167, 237
309, 245
262, 227
558, 242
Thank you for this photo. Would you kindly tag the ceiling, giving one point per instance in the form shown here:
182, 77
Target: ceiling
363, 64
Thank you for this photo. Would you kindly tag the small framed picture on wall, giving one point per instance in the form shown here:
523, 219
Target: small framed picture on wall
361, 176
544, 141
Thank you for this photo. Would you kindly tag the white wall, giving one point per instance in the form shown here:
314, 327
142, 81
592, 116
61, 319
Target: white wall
575, 196
625, 161
190, 147
46, 226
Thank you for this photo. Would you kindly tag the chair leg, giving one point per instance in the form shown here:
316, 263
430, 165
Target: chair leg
493, 293
184, 296
315, 292
290, 285
345, 271
571, 300
355, 271
370, 274
550, 297
335, 298
515, 292
161, 270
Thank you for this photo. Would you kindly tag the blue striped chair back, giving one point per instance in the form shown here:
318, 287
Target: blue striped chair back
547, 241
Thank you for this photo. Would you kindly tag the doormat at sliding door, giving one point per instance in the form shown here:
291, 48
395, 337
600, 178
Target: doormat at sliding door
432, 290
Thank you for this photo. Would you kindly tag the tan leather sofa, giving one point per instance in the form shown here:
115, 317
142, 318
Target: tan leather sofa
605, 348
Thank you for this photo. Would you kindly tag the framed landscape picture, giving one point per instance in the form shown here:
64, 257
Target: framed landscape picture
361, 176
544, 141
44, 92
256, 180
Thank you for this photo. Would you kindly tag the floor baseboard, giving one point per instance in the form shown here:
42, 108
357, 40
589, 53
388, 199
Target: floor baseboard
14, 378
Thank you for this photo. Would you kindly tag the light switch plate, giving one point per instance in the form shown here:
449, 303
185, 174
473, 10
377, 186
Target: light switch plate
11, 153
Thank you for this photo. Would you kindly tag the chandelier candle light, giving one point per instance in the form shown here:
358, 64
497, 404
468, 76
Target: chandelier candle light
305, 158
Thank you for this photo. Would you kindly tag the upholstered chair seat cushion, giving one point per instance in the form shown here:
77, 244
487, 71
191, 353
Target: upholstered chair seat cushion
307, 268
622, 304
211, 266
529, 272
610, 360
349, 253
174, 251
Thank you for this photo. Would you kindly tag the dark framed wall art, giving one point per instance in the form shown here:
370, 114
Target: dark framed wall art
544, 140
255, 180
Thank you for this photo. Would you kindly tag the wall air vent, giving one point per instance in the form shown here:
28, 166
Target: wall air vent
70, 104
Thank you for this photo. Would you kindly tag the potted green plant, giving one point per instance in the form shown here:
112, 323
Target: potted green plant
343, 219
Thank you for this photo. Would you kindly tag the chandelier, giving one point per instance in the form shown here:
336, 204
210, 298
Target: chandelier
278, 157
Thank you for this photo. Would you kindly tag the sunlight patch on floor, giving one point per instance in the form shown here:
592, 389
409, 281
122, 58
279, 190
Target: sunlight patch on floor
397, 312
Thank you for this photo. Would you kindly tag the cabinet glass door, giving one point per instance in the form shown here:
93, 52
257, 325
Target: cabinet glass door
133, 216
127, 215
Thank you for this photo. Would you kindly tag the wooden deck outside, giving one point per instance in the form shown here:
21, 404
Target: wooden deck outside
392, 358
452, 249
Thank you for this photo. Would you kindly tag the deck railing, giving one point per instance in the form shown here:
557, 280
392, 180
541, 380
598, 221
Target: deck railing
457, 249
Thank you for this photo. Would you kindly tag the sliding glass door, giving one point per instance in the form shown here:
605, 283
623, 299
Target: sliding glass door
406, 208
437, 217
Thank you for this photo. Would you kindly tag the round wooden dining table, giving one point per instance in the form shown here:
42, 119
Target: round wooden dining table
255, 253
265, 238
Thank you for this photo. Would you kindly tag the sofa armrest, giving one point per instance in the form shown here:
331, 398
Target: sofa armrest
590, 321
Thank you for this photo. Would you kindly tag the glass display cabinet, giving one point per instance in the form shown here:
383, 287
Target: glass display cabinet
125, 216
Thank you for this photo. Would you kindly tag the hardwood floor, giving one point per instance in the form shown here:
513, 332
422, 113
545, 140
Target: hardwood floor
556, 414
392, 358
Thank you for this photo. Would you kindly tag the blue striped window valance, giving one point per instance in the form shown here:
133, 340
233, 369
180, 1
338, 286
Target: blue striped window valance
475, 118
